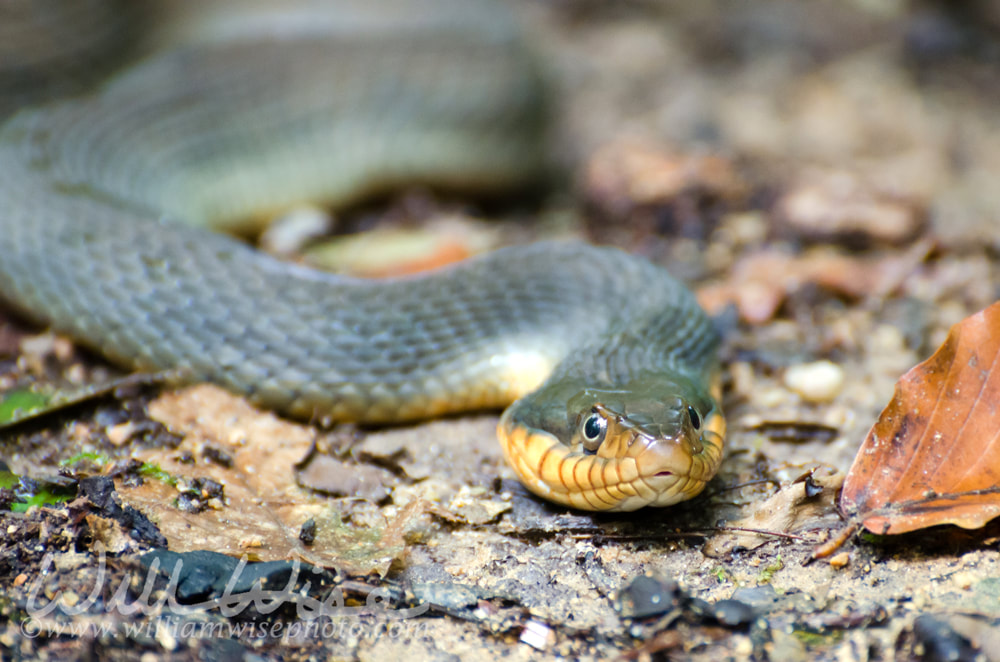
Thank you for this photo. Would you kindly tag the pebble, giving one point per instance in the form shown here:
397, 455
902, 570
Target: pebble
538, 635
648, 596
818, 382
288, 234
772, 398
450, 595
119, 434
742, 375
733, 612
840, 560
964, 579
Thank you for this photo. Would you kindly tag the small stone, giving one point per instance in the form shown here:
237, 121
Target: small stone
963, 579
288, 234
772, 398
648, 596
166, 639
450, 595
743, 647
307, 534
119, 434
818, 382
538, 635
76, 374
886, 339
743, 379
733, 612
839, 561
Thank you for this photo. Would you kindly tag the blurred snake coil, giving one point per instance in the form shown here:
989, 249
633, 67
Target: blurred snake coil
110, 205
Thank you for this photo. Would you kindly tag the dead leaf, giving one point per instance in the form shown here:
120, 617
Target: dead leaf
329, 475
470, 506
399, 251
263, 508
625, 174
109, 533
933, 457
760, 282
633, 182
842, 206
790, 509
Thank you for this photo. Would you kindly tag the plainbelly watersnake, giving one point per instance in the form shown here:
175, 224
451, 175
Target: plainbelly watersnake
606, 358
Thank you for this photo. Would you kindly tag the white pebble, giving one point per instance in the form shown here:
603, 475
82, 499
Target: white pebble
288, 234
817, 382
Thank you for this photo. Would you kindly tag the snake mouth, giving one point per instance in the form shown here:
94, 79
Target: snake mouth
655, 473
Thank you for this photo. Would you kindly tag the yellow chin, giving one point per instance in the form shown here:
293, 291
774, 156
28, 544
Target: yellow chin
643, 474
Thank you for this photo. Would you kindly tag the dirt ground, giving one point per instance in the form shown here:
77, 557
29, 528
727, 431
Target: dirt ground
823, 174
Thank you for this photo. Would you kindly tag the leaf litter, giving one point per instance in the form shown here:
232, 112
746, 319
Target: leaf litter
260, 509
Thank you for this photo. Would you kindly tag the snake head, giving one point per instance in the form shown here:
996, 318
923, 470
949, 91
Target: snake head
653, 441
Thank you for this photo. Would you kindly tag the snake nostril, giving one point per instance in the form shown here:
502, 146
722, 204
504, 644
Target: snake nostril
665, 473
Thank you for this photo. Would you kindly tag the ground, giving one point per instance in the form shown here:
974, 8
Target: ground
822, 174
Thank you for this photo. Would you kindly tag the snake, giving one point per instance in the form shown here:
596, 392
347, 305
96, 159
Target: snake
117, 210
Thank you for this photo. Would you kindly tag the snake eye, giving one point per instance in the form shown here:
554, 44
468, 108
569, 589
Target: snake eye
593, 431
695, 418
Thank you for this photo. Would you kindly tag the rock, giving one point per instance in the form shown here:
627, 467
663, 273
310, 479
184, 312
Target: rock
818, 382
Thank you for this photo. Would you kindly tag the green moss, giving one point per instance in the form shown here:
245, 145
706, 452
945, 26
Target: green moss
155, 472
31, 492
97, 458
813, 640
767, 574
146, 469
721, 574
22, 403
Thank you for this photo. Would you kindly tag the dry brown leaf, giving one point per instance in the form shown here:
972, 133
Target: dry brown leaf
760, 282
263, 509
842, 206
933, 457
656, 187
627, 174
109, 533
790, 509
329, 475
400, 251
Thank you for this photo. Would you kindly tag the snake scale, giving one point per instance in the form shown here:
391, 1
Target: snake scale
606, 359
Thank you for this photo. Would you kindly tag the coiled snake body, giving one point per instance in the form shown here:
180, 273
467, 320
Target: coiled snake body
606, 358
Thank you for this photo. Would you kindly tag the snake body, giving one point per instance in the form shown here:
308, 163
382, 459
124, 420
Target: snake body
224, 132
